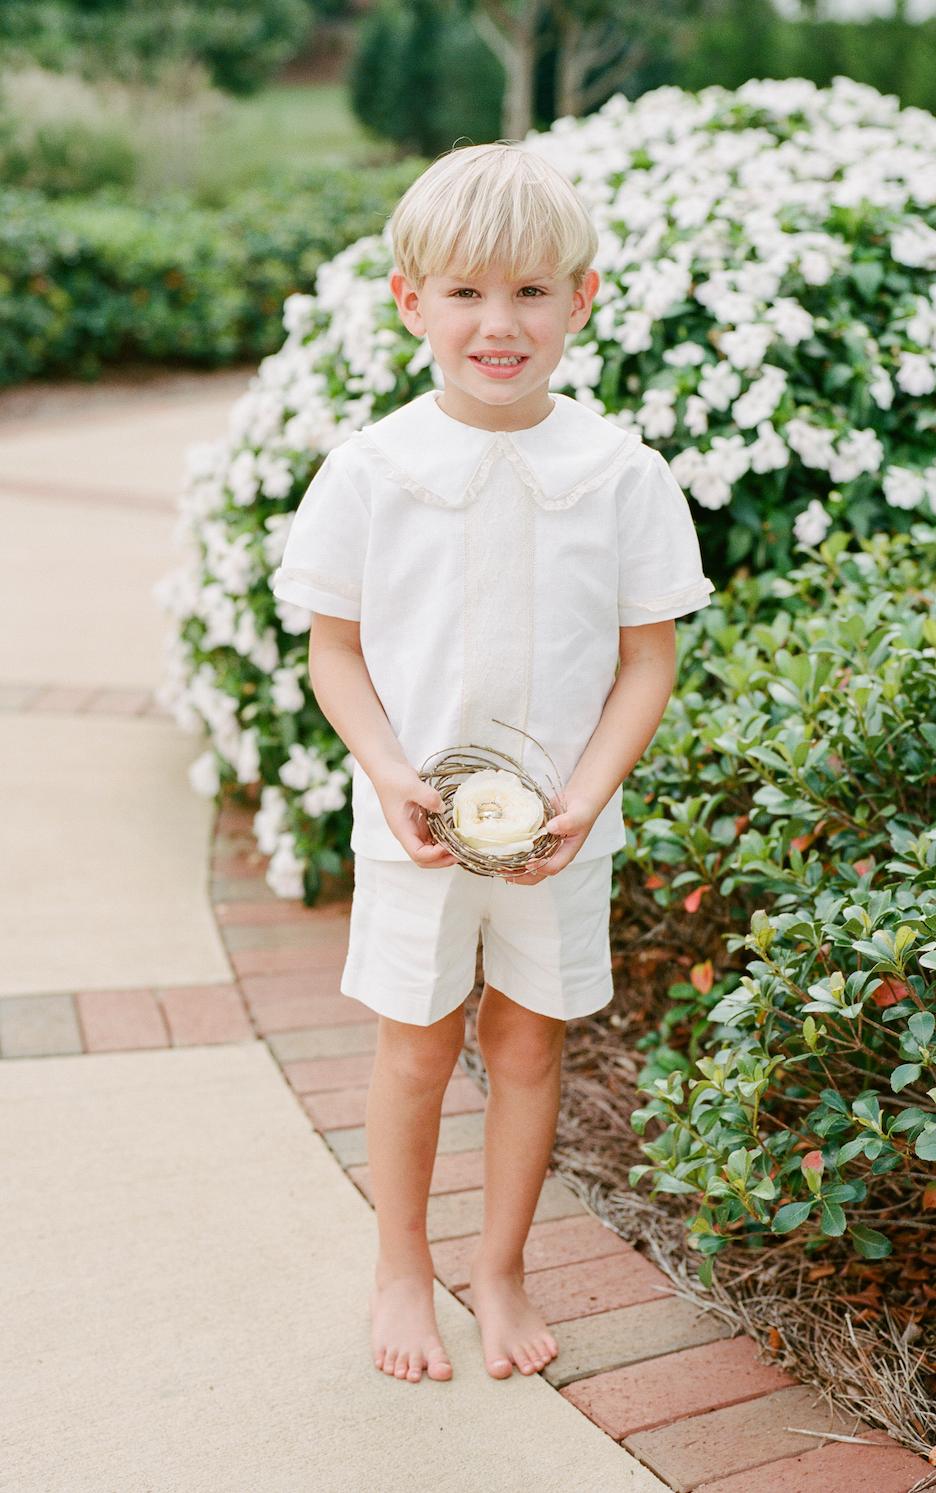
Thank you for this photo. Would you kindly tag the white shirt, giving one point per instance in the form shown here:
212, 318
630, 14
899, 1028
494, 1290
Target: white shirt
490, 572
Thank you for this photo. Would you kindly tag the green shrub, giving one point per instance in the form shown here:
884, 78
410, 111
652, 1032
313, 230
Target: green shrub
239, 46
791, 786
424, 78
89, 281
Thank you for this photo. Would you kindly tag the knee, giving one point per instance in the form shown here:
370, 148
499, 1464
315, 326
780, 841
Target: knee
423, 1057
523, 1053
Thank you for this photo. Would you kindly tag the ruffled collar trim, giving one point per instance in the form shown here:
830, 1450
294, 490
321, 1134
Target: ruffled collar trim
445, 462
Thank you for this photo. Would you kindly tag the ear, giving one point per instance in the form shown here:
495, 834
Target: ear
582, 300
407, 303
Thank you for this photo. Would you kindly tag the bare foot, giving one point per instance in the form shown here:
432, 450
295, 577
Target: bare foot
404, 1333
512, 1330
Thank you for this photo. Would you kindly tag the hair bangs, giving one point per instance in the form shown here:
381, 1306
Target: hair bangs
483, 206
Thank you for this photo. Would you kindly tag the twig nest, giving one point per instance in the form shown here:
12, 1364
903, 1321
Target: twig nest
492, 818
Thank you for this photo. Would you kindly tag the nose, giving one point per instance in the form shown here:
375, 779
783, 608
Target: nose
499, 319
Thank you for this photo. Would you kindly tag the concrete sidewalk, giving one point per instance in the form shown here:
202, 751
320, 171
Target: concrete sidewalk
186, 1263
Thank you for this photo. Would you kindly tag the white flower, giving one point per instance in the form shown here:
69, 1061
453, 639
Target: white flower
759, 401
287, 691
915, 374
635, 332
326, 797
696, 415
880, 387
247, 765
792, 323
768, 453
298, 314
294, 619
810, 526
203, 775
685, 354
915, 244
858, 451
719, 385
494, 812
270, 818
303, 768
656, 415
582, 366
813, 444
903, 488
285, 872
745, 347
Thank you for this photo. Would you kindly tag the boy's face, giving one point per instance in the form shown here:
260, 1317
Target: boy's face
465, 319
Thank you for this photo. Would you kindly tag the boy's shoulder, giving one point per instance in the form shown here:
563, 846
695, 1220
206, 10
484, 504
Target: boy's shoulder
444, 461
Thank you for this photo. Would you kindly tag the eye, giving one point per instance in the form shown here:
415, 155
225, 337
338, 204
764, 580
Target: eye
467, 288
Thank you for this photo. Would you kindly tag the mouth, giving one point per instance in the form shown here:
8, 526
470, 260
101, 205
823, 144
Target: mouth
506, 367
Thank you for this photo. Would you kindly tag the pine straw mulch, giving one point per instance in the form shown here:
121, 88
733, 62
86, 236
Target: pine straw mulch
860, 1331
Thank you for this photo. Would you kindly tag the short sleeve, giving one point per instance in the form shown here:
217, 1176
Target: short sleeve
659, 562
323, 562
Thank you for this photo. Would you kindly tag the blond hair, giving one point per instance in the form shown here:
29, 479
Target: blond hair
480, 205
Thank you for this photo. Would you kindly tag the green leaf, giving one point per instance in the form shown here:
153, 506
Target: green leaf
904, 1074
790, 1216
925, 1146
922, 1024
833, 1219
869, 1243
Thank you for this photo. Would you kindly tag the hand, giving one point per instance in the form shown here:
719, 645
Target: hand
404, 798
573, 824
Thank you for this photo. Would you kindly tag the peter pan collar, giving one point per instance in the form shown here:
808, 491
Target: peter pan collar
445, 462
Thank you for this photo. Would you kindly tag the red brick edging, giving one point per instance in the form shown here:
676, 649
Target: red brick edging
659, 1374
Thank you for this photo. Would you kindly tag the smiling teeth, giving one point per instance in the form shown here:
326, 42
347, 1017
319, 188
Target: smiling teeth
500, 362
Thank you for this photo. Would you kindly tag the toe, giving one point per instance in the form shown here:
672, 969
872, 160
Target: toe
389, 1360
401, 1366
438, 1365
379, 1358
500, 1368
414, 1372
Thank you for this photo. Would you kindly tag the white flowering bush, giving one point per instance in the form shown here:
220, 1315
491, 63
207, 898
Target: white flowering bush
766, 318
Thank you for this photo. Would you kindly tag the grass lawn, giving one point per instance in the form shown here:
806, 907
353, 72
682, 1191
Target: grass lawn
285, 126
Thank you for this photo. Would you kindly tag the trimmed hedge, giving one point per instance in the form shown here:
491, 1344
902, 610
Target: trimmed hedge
92, 280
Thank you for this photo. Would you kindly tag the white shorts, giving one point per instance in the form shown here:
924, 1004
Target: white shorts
413, 943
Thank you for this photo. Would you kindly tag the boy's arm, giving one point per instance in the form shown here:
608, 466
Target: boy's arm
345, 694
631, 714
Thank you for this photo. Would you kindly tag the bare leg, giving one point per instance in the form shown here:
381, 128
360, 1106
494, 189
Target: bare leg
412, 1067
523, 1055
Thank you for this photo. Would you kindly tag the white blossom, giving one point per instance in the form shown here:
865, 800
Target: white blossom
811, 525
719, 385
857, 452
287, 691
270, 818
696, 415
286, 871
813, 444
915, 374
203, 775
904, 488
656, 416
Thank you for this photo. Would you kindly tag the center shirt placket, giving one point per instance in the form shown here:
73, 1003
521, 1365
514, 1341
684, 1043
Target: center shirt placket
498, 620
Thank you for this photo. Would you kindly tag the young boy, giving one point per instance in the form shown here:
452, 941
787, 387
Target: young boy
490, 550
